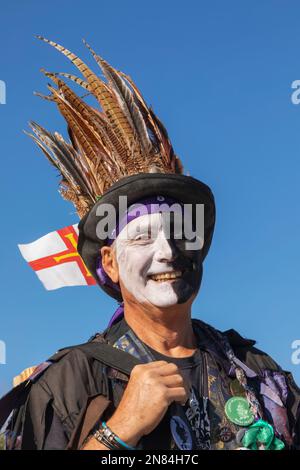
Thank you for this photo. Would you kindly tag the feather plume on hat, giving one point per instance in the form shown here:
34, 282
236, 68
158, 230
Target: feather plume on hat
120, 137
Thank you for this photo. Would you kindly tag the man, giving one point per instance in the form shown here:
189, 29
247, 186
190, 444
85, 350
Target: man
155, 378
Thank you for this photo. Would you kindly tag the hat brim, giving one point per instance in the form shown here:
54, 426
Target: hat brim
182, 188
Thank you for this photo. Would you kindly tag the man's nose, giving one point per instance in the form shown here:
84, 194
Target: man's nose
164, 249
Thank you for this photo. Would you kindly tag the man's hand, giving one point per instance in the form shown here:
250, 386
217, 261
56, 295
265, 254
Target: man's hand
150, 390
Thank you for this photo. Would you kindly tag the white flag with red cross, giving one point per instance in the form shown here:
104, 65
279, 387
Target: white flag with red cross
56, 261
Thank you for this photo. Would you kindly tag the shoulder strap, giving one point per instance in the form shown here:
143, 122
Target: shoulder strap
100, 351
105, 353
90, 416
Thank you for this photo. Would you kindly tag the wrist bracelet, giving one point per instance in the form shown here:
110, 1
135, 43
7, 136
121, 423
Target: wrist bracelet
99, 435
106, 436
116, 438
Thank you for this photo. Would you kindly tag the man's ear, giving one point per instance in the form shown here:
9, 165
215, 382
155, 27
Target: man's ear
109, 263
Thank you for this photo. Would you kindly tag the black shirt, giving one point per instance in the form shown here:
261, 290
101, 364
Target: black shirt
186, 426
190, 366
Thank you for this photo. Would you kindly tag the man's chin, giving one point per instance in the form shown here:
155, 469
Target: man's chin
165, 295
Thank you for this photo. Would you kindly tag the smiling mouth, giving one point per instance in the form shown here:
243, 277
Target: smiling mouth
168, 276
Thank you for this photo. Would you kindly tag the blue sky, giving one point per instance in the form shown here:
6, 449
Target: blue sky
219, 76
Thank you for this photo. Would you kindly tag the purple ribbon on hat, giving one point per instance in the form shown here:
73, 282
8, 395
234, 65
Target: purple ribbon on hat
152, 205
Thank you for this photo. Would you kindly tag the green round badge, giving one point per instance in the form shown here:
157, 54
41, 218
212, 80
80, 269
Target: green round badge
238, 411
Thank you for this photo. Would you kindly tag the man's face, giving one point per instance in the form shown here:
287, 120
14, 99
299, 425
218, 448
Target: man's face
154, 266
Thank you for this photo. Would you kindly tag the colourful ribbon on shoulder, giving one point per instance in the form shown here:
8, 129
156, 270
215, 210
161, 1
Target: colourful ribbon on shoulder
260, 436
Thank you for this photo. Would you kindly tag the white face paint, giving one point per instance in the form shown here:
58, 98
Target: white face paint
151, 267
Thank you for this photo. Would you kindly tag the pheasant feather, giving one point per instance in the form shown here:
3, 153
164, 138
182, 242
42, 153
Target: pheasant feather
120, 136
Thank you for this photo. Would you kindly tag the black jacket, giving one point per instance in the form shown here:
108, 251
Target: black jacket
76, 378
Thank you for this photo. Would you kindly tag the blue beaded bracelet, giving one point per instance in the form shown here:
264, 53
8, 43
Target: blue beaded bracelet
120, 442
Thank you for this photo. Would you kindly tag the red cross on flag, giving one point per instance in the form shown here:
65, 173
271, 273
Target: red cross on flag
56, 261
